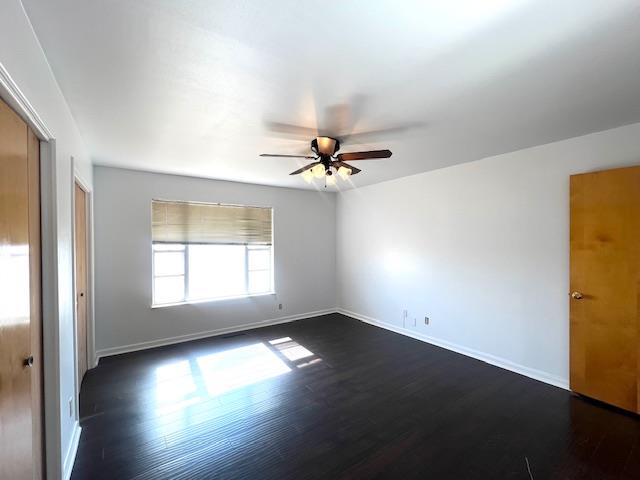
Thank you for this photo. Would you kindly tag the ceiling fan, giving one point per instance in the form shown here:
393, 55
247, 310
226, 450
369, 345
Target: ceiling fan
326, 159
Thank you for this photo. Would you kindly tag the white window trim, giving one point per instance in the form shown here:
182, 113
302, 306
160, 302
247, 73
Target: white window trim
213, 300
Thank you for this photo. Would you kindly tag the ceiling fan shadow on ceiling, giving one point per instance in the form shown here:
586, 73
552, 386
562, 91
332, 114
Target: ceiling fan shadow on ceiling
327, 160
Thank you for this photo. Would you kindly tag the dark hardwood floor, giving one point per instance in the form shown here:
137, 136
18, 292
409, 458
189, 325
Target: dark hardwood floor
355, 402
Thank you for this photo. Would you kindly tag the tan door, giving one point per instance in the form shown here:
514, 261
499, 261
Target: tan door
35, 283
605, 286
20, 323
81, 278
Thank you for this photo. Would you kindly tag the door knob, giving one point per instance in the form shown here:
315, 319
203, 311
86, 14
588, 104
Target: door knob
28, 362
576, 295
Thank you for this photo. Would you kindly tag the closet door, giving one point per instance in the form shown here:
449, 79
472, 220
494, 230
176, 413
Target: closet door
16, 451
605, 286
81, 278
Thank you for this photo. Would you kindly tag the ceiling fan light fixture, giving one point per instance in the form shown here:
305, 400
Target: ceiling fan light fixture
307, 176
344, 172
326, 159
318, 171
331, 179
326, 145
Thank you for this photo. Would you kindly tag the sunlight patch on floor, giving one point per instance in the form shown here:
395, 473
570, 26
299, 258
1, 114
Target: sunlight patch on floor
233, 369
291, 349
185, 383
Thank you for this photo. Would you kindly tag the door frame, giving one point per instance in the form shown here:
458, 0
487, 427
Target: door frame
91, 357
15, 98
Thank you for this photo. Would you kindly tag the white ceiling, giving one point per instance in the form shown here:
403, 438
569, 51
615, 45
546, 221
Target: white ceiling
195, 86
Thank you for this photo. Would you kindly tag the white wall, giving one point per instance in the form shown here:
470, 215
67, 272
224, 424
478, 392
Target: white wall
481, 248
23, 58
304, 257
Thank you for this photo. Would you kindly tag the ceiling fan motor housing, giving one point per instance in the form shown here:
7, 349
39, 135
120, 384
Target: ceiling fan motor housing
316, 148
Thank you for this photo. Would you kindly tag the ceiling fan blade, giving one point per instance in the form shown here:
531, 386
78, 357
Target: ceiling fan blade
339, 164
285, 156
292, 130
373, 136
346, 157
305, 168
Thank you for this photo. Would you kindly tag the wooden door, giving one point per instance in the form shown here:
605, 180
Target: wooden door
605, 286
81, 278
35, 284
21, 412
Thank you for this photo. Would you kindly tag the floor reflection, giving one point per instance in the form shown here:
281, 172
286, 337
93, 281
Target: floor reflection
187, 382
175, 387
290, 349
226, 371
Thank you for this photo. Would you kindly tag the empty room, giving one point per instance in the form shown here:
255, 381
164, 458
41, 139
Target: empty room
319, 240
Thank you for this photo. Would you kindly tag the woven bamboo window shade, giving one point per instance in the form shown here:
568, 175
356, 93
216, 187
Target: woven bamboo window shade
201, 223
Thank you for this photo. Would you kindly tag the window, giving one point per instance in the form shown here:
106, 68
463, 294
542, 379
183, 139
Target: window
210, 251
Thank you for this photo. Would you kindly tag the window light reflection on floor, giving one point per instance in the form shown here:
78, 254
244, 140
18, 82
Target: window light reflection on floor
184, 383
175, 387
232, 369
309, 363
174, 382
290, 348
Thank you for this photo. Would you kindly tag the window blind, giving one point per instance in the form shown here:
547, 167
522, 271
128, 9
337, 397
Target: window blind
201, 223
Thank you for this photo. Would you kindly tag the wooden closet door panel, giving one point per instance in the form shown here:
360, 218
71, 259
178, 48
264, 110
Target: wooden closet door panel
81, 278
35, 266
15, 343
605, 285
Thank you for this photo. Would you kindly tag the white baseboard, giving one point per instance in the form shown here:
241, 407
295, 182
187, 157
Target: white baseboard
70, 457
485, 357
209, 333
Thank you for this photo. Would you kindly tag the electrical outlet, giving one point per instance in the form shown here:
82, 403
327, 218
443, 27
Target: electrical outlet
71, 406
426, 320
279, 306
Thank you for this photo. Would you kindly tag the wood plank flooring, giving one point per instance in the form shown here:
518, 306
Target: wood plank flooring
334, 398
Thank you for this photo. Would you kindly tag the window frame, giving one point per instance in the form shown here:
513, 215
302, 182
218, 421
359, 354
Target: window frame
184, 273
187, 301
247, 270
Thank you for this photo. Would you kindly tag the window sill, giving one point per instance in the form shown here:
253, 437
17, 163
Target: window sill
211, 300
